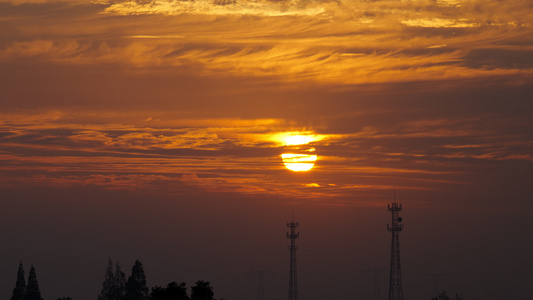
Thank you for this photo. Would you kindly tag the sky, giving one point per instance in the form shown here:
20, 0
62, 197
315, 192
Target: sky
154, 130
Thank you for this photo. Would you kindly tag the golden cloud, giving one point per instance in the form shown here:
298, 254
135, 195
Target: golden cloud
346, 42
209, 7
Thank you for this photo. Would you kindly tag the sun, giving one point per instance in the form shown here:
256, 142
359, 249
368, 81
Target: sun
298, 156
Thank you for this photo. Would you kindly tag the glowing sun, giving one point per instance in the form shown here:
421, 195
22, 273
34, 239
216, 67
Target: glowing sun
298, 156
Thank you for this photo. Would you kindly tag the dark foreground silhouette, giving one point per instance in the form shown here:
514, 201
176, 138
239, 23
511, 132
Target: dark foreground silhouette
116, 287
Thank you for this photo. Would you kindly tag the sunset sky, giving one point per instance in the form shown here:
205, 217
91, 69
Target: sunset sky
154, 130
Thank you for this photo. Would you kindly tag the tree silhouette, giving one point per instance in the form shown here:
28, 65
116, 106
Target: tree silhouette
136, 288
120, 283
113, 287
32, 289
202, 291
20, 285
173, 291
158, 293
444, 296
108, 284
177, 291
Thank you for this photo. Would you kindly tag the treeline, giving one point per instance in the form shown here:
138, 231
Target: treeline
26, 292
116, 287
444, 296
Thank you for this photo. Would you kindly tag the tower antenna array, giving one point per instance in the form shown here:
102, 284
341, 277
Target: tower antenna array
395, 285
377, 288
293, 281
435, 278
260, 282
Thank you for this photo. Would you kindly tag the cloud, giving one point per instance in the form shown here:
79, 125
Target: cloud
410, 143
292, 63
41, 2
321, 41
404, 91
440, 23
173, 7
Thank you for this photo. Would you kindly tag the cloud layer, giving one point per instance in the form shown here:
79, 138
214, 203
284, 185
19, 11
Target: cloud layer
326, 42
193, 85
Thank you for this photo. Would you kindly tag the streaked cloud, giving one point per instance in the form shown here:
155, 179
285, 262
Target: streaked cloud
440, 23
176, 114
198, 93
244, 155
347, 42
222, 7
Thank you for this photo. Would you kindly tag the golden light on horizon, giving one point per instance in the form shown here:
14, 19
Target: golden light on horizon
299, 156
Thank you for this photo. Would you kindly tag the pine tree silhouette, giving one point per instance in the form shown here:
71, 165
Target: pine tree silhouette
32, 289
114, 285
109, 283
20, 286
136, 288
120, 283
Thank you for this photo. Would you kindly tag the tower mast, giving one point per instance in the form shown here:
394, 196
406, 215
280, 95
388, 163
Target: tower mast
377, 271
395, 287
260, 282
293, 281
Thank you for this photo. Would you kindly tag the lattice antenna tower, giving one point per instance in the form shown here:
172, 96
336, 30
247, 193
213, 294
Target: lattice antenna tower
395, 284
376, 295
293, 278
435, 278
260, 282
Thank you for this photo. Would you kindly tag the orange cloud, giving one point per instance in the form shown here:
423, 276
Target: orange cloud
347, 42
147, 97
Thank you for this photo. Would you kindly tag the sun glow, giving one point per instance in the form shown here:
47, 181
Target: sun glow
299, 156
299, 162
298, 140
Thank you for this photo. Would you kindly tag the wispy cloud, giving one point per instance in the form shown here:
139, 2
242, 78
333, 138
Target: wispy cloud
189, 94
222, 7
330, 42
243, 155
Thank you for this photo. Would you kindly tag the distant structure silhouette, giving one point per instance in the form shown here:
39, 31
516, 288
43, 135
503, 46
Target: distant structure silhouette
376, 295
293, 281
395, 285
260, 282
435, 291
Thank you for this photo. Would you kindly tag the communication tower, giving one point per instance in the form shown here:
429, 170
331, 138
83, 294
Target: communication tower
435, 277
293, 280
260, 282
395, 285
377, 272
